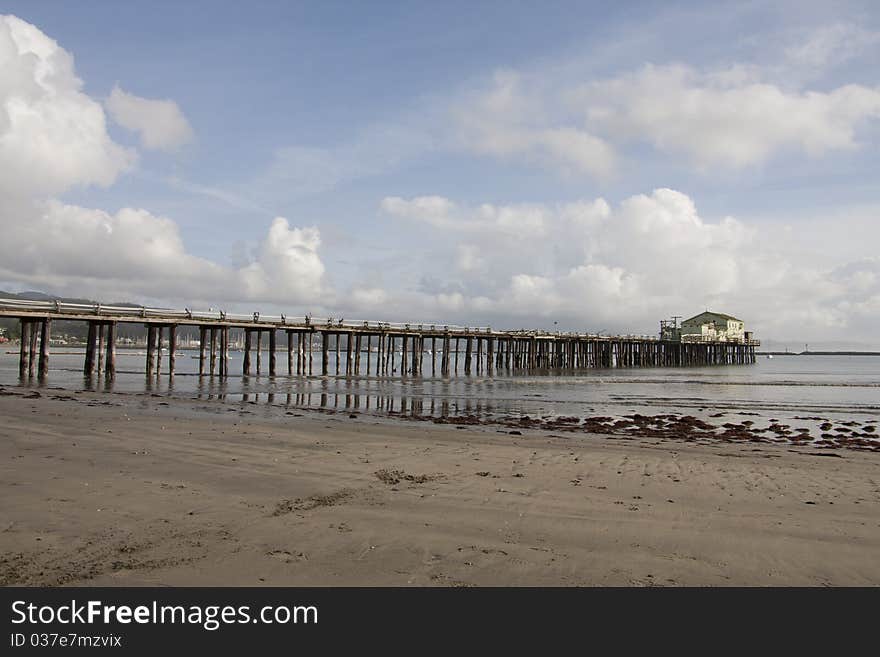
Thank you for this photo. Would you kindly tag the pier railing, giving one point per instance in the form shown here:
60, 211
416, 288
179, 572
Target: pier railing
71, 310
194, 317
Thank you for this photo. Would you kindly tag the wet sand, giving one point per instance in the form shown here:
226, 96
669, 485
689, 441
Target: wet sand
136, 490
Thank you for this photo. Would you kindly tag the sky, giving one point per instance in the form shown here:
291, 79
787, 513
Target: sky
572, 165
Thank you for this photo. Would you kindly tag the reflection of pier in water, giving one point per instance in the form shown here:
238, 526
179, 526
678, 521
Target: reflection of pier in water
360, 348
399, 402
378, 404
392, 404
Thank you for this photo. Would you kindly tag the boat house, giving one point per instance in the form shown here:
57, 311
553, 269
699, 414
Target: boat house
714, 327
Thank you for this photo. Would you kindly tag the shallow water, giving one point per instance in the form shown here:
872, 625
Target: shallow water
784, 387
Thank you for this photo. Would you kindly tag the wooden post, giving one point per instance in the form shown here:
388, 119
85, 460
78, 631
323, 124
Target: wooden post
413, 356
213, 352
111, 350
303, 368
44, 347
32, 355
203, 336
25, 345
89, 366
404, 356
456, 355
151, 344
337, 354
221, 350
246, 366
100, 352
272, 357
352, 354
355, 338
380, 353
369, 353
224, 349
289, 352
172, 348
389, 356
467, 354
380, 340
259, 347
309, 337
158, 350
414, 368
325, 353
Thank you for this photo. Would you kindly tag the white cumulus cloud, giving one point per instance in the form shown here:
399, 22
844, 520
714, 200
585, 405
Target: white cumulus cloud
725, 118
53, 137
730, 117
160, 123
288, 267
513, 121
592, 266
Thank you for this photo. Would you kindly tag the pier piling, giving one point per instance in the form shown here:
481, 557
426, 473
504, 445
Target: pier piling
203, 336
246, 358
259, 348
111, 350
494, 351
151, 341
24, 347
172, 348
45, 329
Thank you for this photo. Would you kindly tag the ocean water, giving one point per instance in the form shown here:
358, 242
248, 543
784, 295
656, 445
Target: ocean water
806, 390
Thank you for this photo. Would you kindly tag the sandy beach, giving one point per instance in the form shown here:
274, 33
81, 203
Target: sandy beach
123, 490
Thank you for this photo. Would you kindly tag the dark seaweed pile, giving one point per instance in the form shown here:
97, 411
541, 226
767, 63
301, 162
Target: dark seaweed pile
844, 435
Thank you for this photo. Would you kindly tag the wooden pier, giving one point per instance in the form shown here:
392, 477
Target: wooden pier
360, 348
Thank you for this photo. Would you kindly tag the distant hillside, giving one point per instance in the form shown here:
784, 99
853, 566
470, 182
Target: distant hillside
72, 328
42, 296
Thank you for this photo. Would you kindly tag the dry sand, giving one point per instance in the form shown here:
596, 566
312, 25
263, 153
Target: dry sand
127, 490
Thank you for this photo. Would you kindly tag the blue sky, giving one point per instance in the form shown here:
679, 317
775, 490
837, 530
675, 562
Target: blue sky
444, 161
